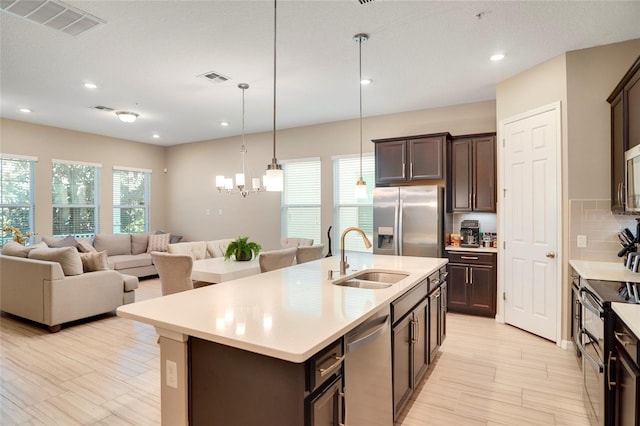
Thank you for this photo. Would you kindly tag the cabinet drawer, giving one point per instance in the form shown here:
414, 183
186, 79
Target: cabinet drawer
405, 303
434, 281
325, 364
627, 340
472, 257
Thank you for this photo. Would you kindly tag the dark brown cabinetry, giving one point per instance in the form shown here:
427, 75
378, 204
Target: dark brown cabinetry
472, 283
472, 173
626, 376
410, 159
625, 130
280, 392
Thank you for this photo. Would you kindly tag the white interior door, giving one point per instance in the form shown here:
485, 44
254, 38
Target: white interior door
531, 217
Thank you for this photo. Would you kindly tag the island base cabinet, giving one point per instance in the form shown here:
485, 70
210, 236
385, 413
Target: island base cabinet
230, 386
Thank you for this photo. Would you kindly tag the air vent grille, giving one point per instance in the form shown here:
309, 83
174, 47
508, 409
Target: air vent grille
103, 108
365, 1
214, 77
53, 14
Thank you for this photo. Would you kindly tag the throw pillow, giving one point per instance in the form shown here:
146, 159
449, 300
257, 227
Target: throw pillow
12, 248
86, 247
158, 242
96, 261
139, 243
174, 238
67, 257
67, 241
50, 240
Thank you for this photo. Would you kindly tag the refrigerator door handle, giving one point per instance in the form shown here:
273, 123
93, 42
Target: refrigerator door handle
400, 229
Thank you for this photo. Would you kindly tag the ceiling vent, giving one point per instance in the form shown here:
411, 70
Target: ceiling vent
103, 108
53, 14
364, 1
214, 77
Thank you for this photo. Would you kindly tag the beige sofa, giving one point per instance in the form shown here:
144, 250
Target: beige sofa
40, 291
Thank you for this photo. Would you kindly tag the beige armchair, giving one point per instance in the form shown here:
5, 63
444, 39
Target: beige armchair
276, 259
174, 271
295, 242
309, 253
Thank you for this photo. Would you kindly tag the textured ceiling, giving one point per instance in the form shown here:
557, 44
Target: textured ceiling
421, 54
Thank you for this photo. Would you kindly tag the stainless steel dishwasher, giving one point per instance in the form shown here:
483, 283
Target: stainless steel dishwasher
367, 372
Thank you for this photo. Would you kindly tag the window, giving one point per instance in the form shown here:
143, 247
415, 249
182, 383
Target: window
130, 200
17, 194
301, 199
348, 210
75, 198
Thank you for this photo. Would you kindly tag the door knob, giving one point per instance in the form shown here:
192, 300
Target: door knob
550, 254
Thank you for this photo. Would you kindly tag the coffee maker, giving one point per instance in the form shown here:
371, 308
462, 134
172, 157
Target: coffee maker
470, 233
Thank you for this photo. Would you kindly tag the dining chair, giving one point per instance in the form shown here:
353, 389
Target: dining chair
276, 259
295, 242
309, 253
174, 271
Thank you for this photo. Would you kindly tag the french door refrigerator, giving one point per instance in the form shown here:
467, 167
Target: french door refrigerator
408, 220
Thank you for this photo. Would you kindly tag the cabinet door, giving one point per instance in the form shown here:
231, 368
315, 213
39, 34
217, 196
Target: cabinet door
482, 289
484, 174
391, 162
420, 341
461, 184
434, 325
627, 411
632, 90
401, 364
442, 319
426, 159
458, 297
618, 148
326, 409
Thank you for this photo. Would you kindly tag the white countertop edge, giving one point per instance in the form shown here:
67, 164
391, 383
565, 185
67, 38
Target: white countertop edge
629, 313
415, 277
605, 271
472, 249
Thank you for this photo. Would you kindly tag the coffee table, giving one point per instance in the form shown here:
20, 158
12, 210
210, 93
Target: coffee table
217, 269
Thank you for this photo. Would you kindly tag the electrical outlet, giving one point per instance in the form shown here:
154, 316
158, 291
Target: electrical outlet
582, 241
172, 374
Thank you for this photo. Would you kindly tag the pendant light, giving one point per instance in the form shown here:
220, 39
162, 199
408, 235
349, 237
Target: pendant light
274, 178
361, 185
226, 184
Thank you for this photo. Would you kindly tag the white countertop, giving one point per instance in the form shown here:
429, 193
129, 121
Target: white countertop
630, 314
289, 314
219, 269
606, 271
475, 249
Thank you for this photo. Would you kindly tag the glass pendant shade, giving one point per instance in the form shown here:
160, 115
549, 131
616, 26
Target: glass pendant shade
274, 180
361, 189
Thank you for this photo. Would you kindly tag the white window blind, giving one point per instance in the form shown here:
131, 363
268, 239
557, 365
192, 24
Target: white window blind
349, 210
17, 195
131, 189
75, 191
301, 199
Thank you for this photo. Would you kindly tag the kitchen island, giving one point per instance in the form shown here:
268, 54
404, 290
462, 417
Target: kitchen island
290, 315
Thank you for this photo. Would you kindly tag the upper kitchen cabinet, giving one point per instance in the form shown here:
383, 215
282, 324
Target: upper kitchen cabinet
625, 130
411, 159
471, 184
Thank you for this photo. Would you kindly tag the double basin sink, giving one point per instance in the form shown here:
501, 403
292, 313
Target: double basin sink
372, 280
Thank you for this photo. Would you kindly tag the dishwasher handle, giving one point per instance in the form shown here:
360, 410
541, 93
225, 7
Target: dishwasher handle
373, 329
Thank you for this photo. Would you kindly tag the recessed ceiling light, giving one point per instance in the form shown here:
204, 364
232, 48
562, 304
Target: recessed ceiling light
90, 86
127, 116
25, 110
497, 57
366, 81
224, 123
156, 136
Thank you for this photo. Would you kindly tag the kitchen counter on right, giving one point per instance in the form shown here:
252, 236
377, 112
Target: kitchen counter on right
472, 249
605, 271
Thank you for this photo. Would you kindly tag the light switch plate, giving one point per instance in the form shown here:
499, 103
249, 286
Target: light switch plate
582, 241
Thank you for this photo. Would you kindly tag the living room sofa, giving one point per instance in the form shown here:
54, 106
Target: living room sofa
56, 291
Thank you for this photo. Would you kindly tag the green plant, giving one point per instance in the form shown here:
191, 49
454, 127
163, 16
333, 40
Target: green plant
242, 249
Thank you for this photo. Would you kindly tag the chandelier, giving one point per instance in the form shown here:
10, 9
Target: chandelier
224, 184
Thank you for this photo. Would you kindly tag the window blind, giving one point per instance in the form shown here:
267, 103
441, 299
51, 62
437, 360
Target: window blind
17, 195
75, 198
131, 189
301, 199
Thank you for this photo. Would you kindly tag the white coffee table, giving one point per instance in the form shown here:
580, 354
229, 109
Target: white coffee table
217, 269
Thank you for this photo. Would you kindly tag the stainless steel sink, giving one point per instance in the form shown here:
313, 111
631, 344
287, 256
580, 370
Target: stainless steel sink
371, 279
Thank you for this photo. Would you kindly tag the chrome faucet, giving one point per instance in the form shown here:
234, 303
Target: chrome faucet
343, 259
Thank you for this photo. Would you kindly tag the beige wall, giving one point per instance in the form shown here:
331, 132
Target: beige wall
49, 143
198, 211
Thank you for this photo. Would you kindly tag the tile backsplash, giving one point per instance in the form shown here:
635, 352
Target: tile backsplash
594, 219
486, 221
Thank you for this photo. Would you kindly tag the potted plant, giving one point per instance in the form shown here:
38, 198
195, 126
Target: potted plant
242, 249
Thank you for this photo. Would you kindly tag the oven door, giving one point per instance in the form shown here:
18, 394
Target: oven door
591, 345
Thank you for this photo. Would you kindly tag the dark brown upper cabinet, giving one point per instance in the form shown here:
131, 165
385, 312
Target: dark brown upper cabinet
472, 173
411, 159
625, 130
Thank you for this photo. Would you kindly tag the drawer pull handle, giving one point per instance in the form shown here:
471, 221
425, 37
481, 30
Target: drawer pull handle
610, 384
469, 257
324, 371
619, 338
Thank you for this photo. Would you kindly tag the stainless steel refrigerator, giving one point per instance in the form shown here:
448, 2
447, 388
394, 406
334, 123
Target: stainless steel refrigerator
408, 220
